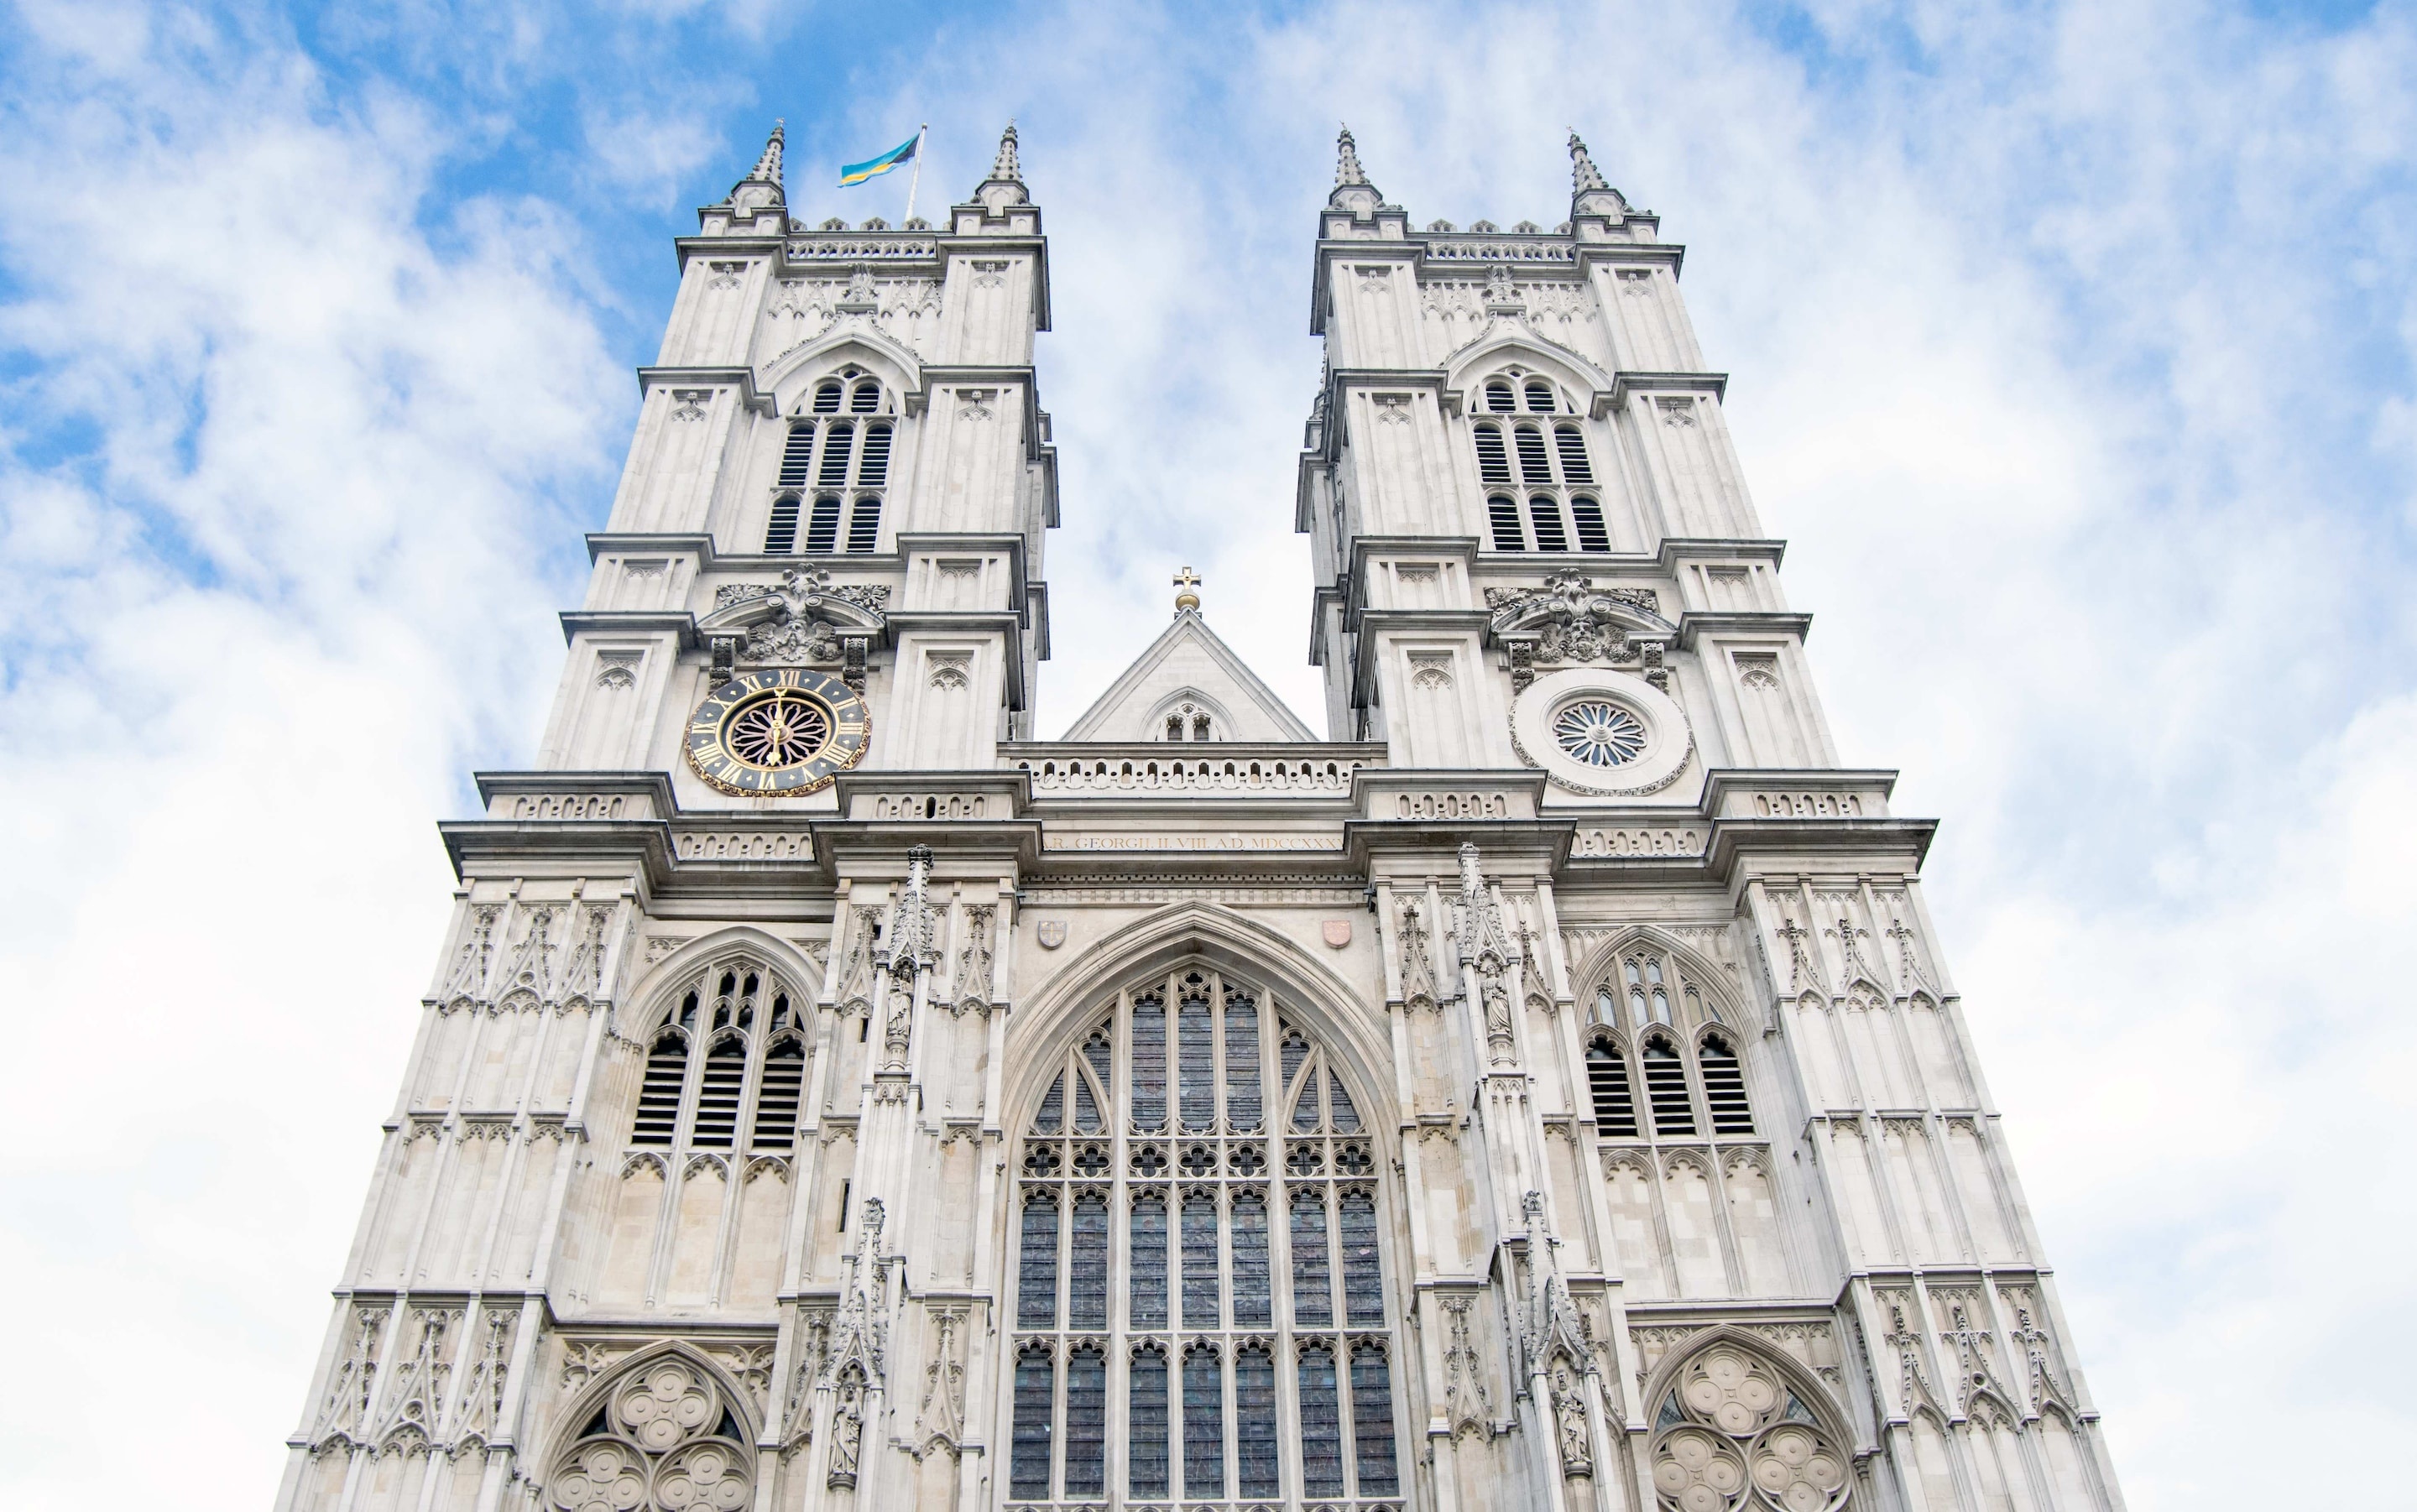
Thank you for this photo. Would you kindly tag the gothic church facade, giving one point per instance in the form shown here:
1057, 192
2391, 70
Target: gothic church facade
1544, 1091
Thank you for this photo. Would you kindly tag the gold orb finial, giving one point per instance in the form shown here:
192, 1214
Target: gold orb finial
1186, 582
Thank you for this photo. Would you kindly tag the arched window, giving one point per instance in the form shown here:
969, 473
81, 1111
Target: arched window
1615, 1105
701, 1099
1588, 514
1572, 447
1548, 457
1502, 518
1724, 1087
1199, 1211
1651, 995
781, 531
1730, 1423
843, 454
1665, 1090
797, 456
874, 469
1493, 463
665, 1422
1534, 466
839, 449
1545, 513
822, 526
864, 522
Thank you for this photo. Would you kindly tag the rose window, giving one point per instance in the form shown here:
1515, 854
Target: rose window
1731, 1437
1599, 732
665, 1441
782, 729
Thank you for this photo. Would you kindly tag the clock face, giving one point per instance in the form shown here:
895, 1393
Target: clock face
778, 732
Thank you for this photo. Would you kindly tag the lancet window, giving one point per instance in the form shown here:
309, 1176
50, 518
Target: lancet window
1660, 1064
726, 1070
834, 470
1539, 478
1199, 1277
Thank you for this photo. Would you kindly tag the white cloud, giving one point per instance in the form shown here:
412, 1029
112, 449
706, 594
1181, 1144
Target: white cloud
653, 156
252, 642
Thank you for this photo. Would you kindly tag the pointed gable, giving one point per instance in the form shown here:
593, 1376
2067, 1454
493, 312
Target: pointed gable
1189, 664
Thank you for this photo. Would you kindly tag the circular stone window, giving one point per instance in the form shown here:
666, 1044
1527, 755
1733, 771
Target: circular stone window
1602, 733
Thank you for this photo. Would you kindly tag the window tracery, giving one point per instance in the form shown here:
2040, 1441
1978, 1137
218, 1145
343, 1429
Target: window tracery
1686, 1080
1560, 512
666, 1438
1199, 1275
729, 1059
1732, 1436
834, 469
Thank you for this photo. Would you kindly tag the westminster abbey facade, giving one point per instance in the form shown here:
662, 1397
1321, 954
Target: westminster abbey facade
1542, 1090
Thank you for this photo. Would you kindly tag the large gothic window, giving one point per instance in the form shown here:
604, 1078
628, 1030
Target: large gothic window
1198, 1281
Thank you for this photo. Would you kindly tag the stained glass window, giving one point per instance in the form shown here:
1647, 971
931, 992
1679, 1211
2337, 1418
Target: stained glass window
1321, 1423
1146, 1417
1171, 1215
1086, 1421
1204, 1422
1148, 1289
1035, 1388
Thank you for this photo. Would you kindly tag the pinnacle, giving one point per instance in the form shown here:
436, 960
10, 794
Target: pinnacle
1584, 175
768, 167
1006, 168
1347, 161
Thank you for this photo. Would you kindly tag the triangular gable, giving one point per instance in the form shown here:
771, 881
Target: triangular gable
1188, 659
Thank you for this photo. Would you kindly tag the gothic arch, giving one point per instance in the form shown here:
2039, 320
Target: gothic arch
791, 376
1062, 1011
1223, 720
569, 1451
1474, 362
1181, 1094
652, 997
1602, 962
1700, 1416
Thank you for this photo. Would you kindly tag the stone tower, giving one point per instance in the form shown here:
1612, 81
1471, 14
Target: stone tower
1548, 1093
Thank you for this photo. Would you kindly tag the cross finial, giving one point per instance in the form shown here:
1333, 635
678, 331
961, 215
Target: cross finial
1186, 583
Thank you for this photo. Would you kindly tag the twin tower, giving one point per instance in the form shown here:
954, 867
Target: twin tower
1544, 1091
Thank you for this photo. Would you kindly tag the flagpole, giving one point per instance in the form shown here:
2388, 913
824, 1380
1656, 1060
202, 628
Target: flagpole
916, 182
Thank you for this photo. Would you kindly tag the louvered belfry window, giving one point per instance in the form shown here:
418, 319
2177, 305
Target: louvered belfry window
1648, 1001
1562, 511
1200, 1301
840, 446
728, 1062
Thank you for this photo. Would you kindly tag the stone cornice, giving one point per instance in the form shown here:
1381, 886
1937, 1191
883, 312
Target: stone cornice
1695, 623
633, 622
749, 395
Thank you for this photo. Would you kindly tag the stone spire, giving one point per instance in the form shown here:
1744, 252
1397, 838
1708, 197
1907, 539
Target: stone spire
1005, 185
1006, 168
1584, 175
1589, 195
768, 167
1352, 190
1346, 161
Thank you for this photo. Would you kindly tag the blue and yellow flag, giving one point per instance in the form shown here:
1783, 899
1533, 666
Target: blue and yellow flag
874, 168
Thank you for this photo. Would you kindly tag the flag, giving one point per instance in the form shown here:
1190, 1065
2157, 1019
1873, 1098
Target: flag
874, 168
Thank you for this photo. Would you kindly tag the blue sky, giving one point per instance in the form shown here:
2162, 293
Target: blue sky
2072, 352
